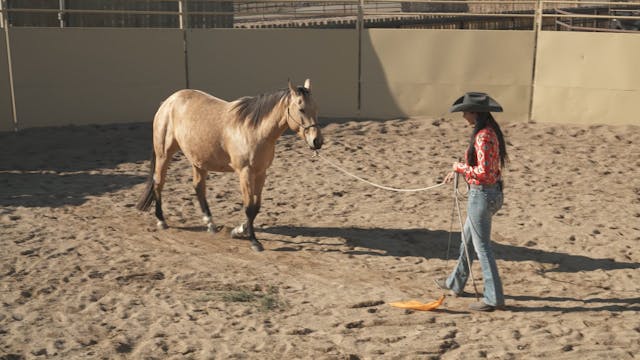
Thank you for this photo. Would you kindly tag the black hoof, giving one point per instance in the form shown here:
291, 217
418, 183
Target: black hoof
256, 246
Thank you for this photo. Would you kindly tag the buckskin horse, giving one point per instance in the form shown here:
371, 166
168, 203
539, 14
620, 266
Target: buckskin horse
222, 136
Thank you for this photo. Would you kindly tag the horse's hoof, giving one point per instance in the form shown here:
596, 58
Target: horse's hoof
162, 225
210, 226
236, 234
239, 233
256, 246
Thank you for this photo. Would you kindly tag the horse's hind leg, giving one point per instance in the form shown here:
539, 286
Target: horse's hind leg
159, 178
199, 183
158, 184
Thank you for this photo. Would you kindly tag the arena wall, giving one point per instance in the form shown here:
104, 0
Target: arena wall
591, 78
98, 76
235, 63
6, 120
94, 76
421, 72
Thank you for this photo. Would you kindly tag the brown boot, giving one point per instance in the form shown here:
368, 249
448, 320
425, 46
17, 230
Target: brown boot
482, 306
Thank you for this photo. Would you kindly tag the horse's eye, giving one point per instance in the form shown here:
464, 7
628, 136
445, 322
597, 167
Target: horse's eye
302, 111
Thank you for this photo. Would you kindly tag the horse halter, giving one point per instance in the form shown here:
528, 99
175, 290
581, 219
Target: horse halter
303, 126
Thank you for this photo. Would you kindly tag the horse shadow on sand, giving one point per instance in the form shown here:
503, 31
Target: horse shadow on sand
435, 245
56, 190
57, 166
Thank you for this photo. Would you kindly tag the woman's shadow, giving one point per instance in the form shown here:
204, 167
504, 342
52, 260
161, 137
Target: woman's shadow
437, 245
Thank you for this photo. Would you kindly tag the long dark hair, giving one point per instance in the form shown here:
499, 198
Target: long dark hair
483, 120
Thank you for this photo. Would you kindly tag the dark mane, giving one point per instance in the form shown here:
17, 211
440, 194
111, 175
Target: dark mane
254, 108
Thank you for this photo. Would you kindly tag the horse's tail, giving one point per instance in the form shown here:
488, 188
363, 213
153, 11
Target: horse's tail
148, 196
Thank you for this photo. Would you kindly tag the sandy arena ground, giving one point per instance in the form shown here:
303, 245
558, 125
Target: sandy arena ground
84, 275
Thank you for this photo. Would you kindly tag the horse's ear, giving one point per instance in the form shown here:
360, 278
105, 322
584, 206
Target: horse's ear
293, 90
307, 84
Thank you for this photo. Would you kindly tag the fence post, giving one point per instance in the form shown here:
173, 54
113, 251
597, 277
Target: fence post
180, 15
61, 14
360, 29
5, 26
537, 28
184, 27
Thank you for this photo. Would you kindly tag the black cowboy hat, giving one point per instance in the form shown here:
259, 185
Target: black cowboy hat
475, 102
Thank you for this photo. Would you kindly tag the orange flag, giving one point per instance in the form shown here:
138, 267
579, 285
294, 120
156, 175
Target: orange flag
417, 305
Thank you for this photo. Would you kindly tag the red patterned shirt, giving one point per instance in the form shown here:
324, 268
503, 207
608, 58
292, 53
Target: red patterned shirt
487, 169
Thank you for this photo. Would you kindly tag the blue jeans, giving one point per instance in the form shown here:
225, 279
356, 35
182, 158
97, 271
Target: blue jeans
481, 206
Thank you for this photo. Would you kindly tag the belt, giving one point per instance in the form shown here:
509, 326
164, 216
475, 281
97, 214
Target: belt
485, 186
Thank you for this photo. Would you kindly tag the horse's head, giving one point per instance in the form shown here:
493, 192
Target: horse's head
302, 115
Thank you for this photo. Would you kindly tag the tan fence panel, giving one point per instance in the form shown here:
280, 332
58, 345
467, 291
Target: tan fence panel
234, 63
587, 78
82, 76
6, 120
421, 72
94, 76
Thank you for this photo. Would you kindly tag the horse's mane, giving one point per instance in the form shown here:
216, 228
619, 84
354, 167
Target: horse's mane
255, 108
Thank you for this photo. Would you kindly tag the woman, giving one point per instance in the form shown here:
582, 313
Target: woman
485, 157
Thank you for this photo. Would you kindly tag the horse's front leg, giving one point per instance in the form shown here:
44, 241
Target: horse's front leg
251, 186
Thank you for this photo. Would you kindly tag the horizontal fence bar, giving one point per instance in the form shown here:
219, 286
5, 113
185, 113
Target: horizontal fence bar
573, 27
444, 2
517, 2
319, 12
178, 13
451, 14
574, 2
89, 11
587, 16
279, 10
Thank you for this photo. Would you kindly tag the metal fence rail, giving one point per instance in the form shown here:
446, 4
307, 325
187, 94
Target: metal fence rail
515, 14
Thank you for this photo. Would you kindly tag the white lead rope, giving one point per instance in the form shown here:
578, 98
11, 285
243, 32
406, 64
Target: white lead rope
374, 184
462, 237
456, 207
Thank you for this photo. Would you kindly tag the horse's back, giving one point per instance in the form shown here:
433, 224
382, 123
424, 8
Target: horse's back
189, 100
189, 106
195, 121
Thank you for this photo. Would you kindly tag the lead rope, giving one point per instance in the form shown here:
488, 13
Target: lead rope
456, 204
453, 211
462, 237
371, 183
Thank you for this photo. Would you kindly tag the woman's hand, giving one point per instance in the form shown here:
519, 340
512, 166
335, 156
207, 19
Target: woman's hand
456, 165
449, 177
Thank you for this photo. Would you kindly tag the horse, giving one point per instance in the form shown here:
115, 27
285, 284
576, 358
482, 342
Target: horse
238, 136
